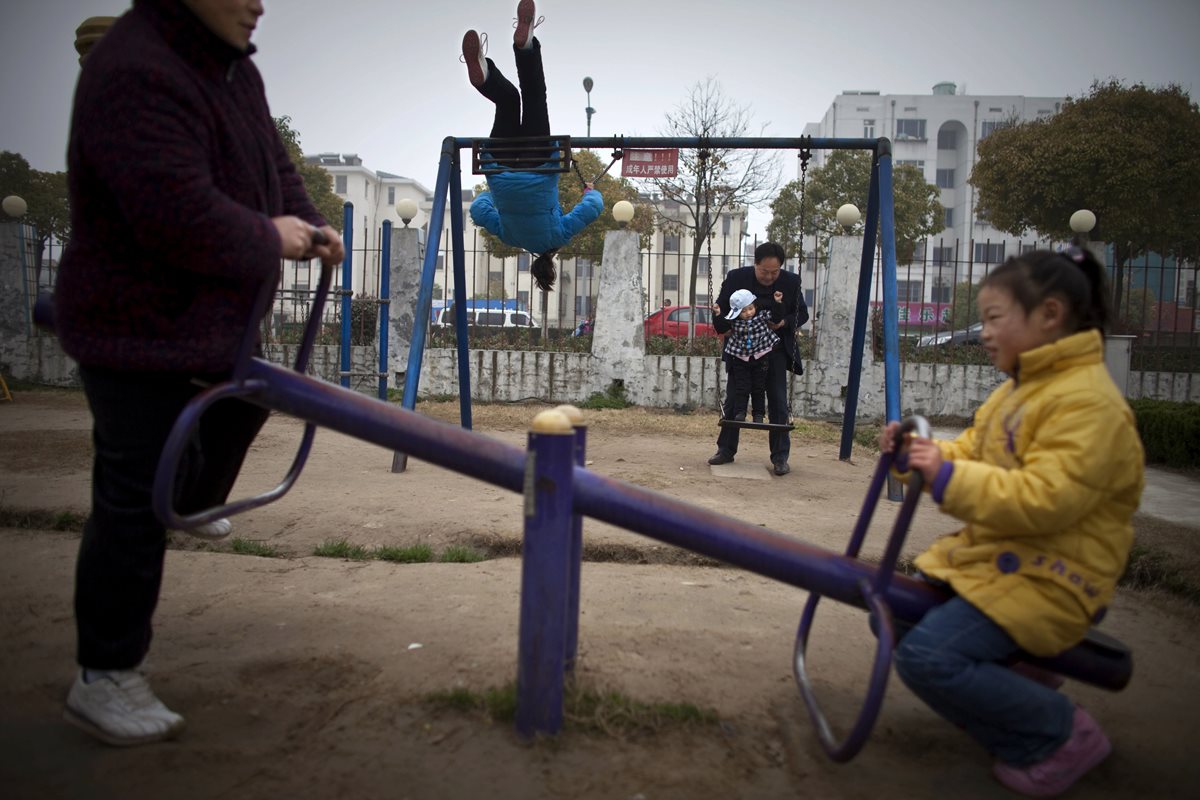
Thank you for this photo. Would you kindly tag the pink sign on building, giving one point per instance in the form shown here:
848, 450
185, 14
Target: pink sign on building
650, 163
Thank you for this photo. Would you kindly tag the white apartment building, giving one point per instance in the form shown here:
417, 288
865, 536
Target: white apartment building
938, 133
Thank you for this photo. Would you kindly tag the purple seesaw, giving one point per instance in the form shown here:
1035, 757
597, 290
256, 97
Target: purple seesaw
558, 491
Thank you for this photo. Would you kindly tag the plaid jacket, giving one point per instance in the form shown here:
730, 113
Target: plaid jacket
750, 338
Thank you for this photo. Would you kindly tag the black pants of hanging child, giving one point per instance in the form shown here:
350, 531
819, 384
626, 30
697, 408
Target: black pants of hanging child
520, 113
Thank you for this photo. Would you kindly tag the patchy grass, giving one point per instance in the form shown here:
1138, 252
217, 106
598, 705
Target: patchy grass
585, 710
1151, 568
249, 547
461, 554
340, 548
413, 554
41, 519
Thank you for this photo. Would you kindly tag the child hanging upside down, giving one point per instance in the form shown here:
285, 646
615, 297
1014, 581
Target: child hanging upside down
521, 209
1046, 481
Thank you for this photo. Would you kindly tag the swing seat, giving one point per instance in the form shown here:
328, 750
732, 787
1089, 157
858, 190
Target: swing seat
519, 154
756, 426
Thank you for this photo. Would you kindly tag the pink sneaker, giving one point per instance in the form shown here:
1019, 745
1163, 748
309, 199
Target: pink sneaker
1051, 680
525, 24
1086, 747
474, 52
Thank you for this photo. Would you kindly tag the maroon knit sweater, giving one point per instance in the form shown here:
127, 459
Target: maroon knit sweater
175, 169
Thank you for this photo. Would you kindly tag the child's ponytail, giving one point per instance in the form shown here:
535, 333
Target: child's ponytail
543, 271
1095, 313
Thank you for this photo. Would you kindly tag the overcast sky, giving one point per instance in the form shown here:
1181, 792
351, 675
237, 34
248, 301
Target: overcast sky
382, 78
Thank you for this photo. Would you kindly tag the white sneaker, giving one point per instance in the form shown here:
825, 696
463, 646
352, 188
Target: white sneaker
118, 708
212, 531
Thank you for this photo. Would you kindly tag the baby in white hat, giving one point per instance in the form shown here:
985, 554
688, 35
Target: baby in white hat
748, 341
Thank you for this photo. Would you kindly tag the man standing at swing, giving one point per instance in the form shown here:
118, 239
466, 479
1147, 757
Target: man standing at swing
762, 280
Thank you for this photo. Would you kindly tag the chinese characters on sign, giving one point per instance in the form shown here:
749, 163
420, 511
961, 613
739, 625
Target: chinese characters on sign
922, 314
650, 163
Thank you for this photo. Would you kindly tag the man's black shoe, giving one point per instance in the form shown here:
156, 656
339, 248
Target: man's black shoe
721, 457
782, 468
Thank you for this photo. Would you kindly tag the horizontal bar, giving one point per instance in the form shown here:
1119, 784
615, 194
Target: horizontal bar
719, 142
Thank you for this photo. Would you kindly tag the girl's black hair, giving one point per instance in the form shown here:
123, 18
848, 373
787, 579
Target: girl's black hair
542, 270
1074, 276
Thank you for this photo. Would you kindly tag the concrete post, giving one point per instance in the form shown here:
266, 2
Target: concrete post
13, 311
839, 295
618, 342
1117, 349
402, 310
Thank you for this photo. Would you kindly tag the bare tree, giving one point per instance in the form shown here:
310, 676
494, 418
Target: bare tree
712, 180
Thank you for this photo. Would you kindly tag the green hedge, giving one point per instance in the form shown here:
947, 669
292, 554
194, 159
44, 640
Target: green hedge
1170, 431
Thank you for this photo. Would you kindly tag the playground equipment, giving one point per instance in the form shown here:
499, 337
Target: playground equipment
880, 229
559, 491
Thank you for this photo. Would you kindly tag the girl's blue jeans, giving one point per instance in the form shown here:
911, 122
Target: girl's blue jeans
954, 659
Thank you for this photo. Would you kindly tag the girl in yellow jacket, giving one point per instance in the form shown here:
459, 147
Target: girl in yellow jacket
1046, 481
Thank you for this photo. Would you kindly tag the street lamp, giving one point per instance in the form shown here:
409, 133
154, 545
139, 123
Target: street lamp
15, 206
1082, 222
587, 87
407, 210
848, 216
623, 212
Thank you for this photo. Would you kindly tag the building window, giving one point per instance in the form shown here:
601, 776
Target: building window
670, 283
702, 266
990, 126
989, 253
726, 224
671, 242
523, 262
868, 129
943, 290
943, 255
339, 184
522, 299
910, 129
945, 178
910, 291
949, 218
910, 162
583, 305
947, 140
583, 268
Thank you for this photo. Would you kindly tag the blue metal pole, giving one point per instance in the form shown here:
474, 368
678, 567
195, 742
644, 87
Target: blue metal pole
347, 287
460, 293
541, 646
891, 331
862, 306
575, 558
412, 377
385, 304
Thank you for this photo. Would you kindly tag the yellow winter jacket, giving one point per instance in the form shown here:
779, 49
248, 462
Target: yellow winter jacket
1047, 480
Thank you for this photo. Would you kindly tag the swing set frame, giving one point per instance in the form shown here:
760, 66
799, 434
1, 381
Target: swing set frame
880, 231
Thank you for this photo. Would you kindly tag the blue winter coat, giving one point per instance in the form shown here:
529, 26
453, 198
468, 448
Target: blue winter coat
522, 211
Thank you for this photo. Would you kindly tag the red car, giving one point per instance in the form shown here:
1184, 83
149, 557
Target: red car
673, 321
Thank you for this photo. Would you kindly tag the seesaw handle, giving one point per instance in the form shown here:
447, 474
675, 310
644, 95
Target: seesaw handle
172, 455
873, 593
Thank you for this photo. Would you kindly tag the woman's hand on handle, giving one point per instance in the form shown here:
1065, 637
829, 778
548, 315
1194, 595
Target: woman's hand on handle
331, 251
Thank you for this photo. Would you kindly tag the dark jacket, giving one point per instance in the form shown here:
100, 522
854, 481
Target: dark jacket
174, 170
789, 284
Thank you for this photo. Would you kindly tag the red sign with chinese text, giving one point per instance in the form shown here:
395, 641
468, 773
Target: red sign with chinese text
650, 163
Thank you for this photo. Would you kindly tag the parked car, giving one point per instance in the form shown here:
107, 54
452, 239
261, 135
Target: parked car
972, 334
673, 321
493, 317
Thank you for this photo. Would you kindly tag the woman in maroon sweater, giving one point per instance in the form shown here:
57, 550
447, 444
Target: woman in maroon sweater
183, 201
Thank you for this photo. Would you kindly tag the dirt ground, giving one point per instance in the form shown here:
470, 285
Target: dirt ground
308, 677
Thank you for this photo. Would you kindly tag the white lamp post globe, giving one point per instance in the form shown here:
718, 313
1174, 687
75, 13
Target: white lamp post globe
407, 209
1082, 221
623, 211
15, 206
848, 215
